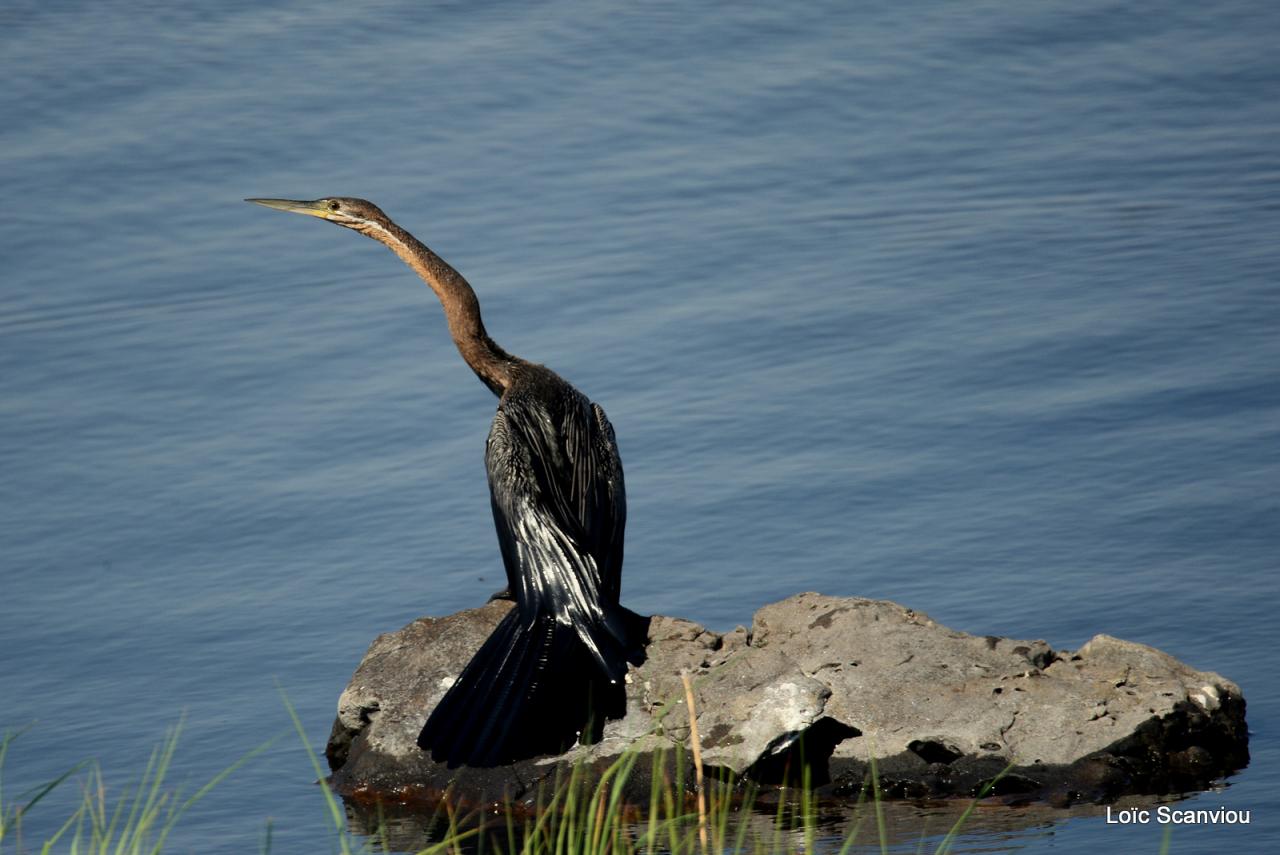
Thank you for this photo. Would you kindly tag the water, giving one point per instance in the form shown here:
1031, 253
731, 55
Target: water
972, 307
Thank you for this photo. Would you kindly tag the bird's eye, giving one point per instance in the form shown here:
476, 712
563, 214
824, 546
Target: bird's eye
333, 206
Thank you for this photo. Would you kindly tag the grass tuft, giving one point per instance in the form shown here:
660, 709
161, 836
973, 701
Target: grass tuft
584, 812
137, 822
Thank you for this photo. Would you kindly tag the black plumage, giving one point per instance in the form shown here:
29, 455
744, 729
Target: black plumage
554, 669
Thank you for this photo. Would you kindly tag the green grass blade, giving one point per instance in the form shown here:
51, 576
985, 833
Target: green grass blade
217, 779
336, 814
52, 785
949, 841
878, 803
75, 818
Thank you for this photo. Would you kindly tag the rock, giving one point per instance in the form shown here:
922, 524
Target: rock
837, 682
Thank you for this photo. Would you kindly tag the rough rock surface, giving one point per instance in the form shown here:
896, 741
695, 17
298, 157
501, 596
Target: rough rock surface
835, 681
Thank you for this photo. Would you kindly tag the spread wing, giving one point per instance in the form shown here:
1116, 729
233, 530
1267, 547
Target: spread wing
559, 506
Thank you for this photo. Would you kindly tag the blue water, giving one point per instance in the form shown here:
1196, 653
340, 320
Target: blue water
969, 306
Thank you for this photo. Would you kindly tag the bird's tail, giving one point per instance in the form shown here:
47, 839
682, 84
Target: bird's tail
531, 689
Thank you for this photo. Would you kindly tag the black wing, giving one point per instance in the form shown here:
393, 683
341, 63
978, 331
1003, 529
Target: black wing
559, 506
527, 691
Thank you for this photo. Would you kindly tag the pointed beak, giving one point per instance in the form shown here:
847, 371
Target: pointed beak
313, 208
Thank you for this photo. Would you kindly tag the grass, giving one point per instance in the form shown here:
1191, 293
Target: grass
581, 813
586, 814
137, 822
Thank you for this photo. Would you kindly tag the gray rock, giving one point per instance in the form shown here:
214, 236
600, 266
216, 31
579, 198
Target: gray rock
835, 682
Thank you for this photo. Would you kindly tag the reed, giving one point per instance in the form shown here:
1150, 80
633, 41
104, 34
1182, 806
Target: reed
583, 812
136, 822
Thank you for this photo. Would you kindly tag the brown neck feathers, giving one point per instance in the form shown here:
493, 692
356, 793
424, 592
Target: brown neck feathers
491, 363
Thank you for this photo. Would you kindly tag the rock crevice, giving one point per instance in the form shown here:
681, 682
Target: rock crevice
831, 683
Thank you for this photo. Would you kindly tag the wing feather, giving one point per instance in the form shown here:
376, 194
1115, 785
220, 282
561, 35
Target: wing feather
555, 482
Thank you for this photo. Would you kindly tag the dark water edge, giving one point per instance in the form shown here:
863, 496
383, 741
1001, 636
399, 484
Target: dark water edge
907, 826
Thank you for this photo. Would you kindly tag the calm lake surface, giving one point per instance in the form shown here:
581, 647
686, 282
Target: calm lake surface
971, 306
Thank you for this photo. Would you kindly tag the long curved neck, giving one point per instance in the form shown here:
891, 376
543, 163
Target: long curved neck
491, 363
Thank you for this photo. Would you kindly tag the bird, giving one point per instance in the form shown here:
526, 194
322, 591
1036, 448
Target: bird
554, 668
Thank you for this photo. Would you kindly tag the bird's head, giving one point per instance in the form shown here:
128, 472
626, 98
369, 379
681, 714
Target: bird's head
358, 214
